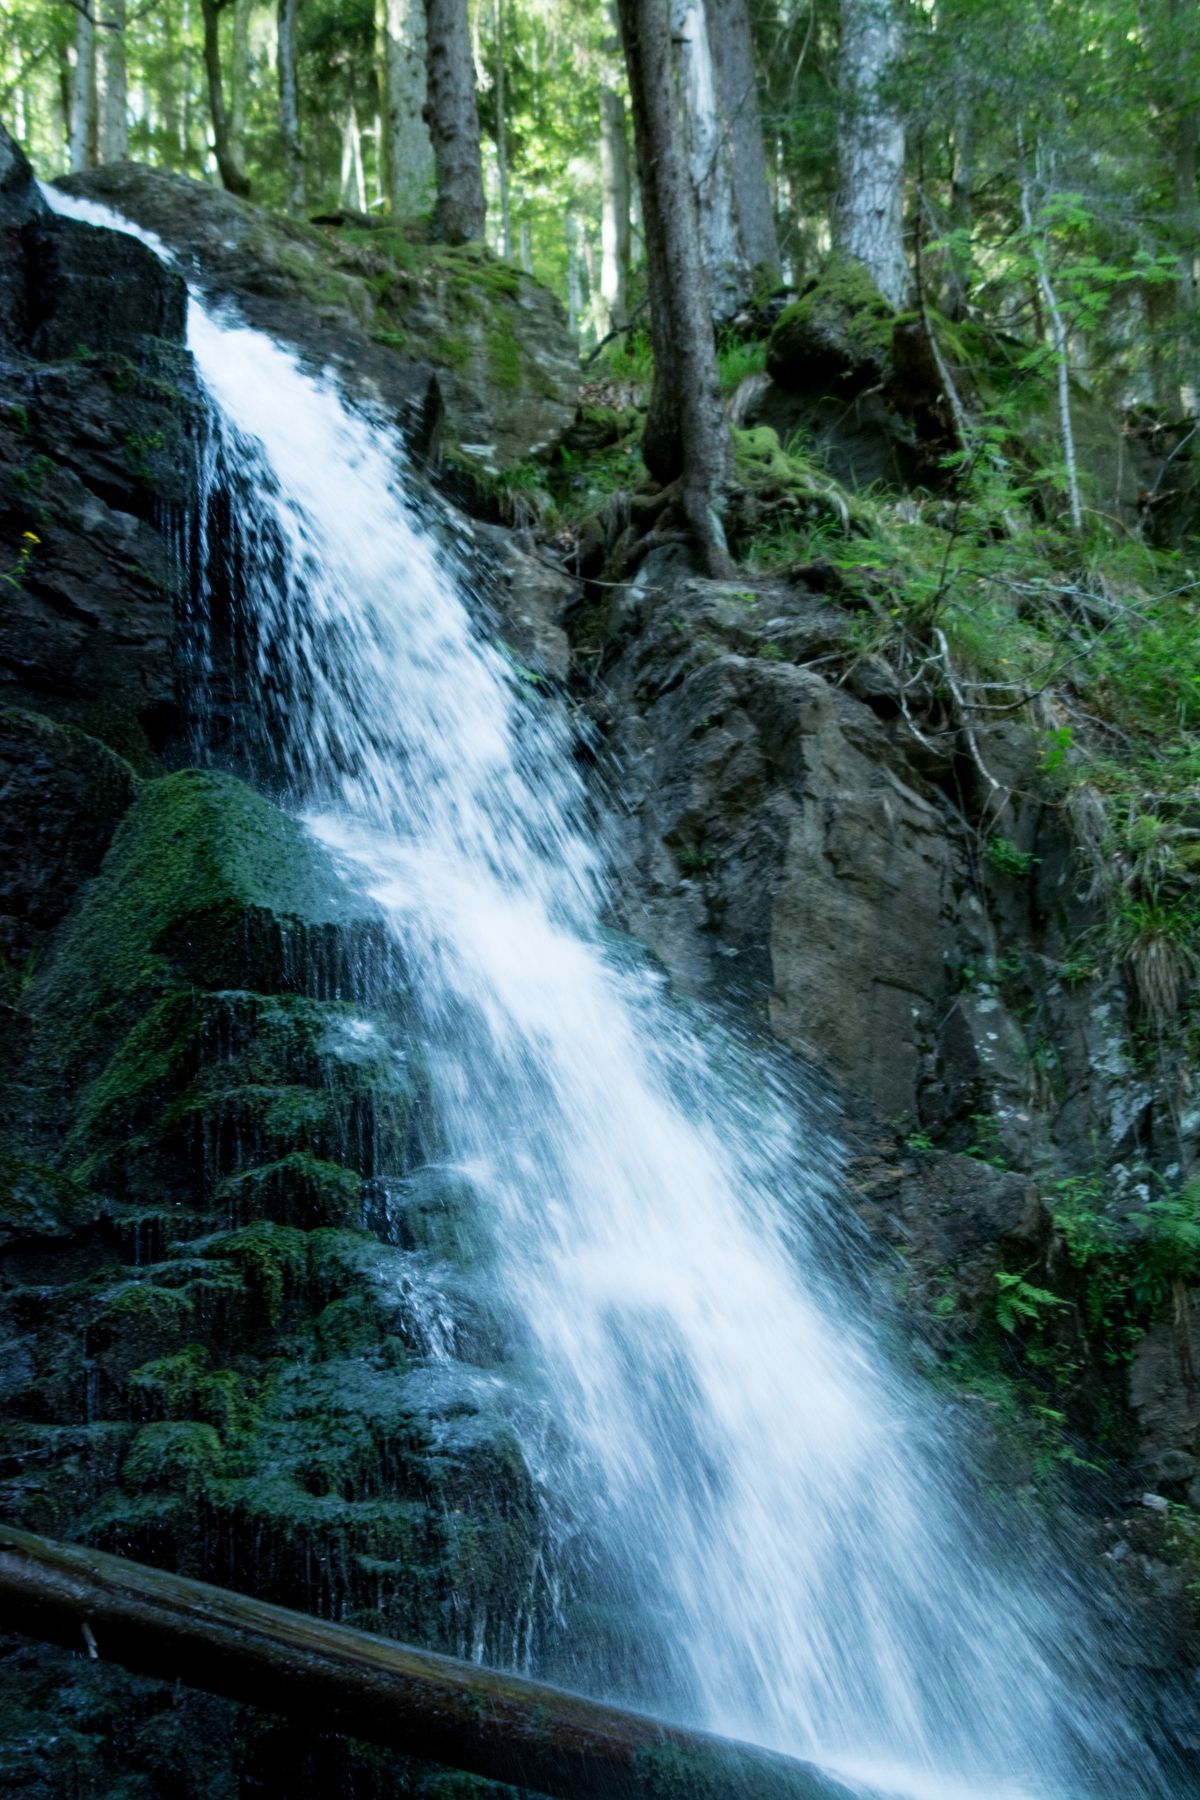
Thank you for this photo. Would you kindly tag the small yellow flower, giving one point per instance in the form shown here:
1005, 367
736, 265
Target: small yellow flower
32, 536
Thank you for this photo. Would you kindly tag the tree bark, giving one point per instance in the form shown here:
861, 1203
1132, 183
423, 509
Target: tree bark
614, 213
502, 182
289, 107
869, 215
112, 84
239, 81
332, 1678
574, 274
708, 156
962, 181
732, 45
1184, 153
233, 176
616, 190
1058, 338
453, 119
408, 152
685, 438
353, 183
83, 95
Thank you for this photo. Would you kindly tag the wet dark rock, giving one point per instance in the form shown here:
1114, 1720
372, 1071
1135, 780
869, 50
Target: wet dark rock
62, 794
94, 290
423, 333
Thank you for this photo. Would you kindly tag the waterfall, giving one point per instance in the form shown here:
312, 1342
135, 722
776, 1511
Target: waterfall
724, 1425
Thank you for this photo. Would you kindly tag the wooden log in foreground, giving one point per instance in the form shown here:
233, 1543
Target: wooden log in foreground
332, 1678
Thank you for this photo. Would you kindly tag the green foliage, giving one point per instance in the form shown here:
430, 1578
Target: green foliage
1007, 859
1020, 1302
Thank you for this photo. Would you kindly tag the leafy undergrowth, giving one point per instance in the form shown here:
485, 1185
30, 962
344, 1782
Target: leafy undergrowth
987, 607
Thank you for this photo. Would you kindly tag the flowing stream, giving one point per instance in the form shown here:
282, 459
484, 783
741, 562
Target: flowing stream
664, 1211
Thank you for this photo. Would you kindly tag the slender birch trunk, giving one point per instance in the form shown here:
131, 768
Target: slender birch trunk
614, 213
353, 186
869, 215
1059, 341
506, 236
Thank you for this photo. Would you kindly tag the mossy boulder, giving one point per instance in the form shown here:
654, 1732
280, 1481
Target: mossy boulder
205, 885
429, 331
836, 336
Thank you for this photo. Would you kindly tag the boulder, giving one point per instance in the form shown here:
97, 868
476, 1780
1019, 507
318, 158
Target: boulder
837, 336
411, 327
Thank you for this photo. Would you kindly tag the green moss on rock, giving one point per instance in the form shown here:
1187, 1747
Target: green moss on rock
205, 883
183, 1455
838, 332
297, 1189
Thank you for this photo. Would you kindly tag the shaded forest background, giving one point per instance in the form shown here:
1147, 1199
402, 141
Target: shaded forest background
1019, 132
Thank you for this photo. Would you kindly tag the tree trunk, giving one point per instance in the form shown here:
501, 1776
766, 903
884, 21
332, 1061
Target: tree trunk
112, 84
728, 272
869, 216
962, 180
289, 107
353, 188
1187, 230
239, 81
614, 214
574, 276
685, 437
83, 95
408, 153
331, 1678
506, 236
453, 120
732, 46
233, 176
1059, 339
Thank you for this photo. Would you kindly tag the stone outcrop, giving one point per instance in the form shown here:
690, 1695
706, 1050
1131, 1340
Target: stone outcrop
436, 337
224, 1234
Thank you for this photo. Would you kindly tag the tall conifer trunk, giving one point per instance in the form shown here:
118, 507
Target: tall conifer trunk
453, 118
686, 438
732, 46
289, 108
408, 152
232, 174
113, 125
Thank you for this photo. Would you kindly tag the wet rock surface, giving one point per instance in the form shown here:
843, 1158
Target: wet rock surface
432, 337
227, 1252
227, 1242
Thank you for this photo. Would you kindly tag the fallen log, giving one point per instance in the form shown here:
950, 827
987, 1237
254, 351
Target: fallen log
333, 1678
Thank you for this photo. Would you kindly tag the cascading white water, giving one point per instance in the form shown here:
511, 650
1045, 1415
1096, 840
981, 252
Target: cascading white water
776, 1493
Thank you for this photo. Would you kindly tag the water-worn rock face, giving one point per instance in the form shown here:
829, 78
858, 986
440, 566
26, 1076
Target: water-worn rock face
224, 1252
226, 1238
791, 844
432, 335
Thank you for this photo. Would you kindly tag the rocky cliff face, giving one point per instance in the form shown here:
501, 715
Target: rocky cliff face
217, 1215
218, 1173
